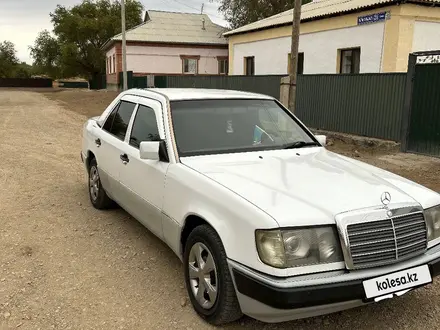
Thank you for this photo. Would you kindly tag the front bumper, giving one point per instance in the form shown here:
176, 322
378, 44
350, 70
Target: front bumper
271, 299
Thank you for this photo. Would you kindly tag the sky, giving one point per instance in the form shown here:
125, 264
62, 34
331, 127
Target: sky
21, 20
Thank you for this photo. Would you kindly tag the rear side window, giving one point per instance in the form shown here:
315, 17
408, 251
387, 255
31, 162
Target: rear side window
119, 119
144, 127
109, 121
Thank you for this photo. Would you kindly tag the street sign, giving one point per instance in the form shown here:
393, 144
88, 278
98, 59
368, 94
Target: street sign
373, 18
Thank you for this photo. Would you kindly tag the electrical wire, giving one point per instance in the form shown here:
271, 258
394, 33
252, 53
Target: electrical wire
193, 8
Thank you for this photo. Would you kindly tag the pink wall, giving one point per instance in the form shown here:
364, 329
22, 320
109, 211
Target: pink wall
149, 59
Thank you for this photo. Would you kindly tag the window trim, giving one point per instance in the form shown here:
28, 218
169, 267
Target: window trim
190, 57
221, 59
341, 57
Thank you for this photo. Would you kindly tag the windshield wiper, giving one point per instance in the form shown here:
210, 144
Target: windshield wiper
299, 144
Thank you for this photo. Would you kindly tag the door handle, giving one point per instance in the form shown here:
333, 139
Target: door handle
98, 142
124, 159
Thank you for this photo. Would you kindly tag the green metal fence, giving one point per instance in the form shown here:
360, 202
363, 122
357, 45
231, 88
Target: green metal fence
424, 117
362, 104
140, 82
269, 85
73, 84
26, 82
98, 81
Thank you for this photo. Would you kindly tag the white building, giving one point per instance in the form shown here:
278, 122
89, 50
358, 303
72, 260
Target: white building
338, 36
169, 43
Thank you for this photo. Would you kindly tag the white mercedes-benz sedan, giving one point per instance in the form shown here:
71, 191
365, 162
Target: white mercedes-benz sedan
266, 221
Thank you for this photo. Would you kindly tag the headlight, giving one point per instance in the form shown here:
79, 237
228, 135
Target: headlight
432, 217
298, 247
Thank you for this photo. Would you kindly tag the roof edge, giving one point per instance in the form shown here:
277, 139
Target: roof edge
346, 12
110, 43
107, 44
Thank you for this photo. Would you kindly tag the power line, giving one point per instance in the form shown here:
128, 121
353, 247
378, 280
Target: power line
184, 4
198, 9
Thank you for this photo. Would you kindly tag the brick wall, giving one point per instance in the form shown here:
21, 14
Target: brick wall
113, 78
118, 48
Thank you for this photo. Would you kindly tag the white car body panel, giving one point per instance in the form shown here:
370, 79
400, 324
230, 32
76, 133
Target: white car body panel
237, 193
301, 187
234, 218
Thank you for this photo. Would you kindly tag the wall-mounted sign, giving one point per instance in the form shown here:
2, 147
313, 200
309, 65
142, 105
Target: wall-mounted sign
374, 18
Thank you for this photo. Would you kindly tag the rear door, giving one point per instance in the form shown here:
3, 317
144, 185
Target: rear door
110, 144
143, 181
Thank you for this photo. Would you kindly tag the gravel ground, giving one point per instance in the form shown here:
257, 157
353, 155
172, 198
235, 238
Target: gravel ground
65, 265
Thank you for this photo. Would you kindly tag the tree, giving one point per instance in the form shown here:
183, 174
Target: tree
8, 59
47, 55
79, 34
23, 70
83, 29
242, 12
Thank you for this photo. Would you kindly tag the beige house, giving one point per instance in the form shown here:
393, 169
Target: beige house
338, 36
169, 43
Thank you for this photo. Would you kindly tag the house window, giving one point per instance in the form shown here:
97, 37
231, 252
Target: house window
114, 63
249, 66
223, 65
300, 68
350, 60
190, 64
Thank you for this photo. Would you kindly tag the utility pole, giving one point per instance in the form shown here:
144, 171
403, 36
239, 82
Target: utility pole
294, 55
203, 7
124, 48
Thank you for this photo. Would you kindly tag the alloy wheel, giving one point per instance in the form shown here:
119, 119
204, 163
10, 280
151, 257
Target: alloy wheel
94, 183
203, 275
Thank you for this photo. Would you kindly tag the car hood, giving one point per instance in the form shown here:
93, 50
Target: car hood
304, 186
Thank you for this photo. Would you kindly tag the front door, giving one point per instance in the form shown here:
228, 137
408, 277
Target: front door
143, 180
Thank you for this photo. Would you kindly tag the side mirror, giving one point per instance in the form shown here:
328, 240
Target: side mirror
149, 150
322, 139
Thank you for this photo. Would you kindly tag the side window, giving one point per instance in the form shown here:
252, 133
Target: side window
109, 121
144, 127
350, 60
120, 119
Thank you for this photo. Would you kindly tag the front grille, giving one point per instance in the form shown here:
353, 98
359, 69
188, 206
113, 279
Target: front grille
387, 241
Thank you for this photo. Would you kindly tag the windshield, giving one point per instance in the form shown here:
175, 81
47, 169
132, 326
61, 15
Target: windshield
204, 127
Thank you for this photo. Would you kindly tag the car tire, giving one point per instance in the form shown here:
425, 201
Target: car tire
97, 194
225, 308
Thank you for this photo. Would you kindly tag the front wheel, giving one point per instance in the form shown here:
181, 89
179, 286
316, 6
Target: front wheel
207, 277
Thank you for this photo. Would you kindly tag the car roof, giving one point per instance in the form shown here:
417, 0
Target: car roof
176, 94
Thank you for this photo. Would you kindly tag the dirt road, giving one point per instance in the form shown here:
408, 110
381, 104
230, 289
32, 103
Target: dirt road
65, 265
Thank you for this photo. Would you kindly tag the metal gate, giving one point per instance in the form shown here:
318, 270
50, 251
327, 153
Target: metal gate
423, 127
